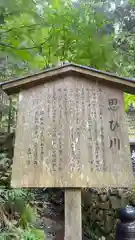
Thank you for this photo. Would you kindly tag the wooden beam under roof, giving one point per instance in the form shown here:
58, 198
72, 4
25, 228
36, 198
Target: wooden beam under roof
70, 69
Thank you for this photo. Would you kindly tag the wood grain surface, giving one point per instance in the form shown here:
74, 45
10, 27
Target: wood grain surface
73, 214
71, 133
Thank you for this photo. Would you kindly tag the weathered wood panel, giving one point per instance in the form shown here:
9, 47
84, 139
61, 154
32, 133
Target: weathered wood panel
71, 133
73, 214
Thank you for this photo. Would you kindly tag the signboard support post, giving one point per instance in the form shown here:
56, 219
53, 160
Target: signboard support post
73, 214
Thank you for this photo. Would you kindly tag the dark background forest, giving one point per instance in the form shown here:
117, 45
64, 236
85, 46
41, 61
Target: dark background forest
35, 35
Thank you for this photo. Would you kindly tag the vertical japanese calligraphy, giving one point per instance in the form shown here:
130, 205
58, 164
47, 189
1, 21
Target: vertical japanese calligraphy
61, 130
36, 138
113, 104
114, 124
102, 134
73, 135
54, 130
41, 124
77, 131
115, 142
29, 156
94, 112
89, 128
48, 102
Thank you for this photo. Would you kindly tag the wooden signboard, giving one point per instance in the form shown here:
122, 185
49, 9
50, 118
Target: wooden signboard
71, 132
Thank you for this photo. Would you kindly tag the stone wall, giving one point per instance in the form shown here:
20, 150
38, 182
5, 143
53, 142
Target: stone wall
131, 125
99, 212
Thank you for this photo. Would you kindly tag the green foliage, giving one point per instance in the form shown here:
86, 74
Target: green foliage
132, 2
17, 216
28, 216
33, 234
37, 34
129, 100
46, 33
60, 32
19, 234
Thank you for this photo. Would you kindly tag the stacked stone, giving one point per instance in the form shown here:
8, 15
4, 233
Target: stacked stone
6, 154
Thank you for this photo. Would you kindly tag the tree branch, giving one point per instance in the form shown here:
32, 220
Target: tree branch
24, 48
27, 26
44, 24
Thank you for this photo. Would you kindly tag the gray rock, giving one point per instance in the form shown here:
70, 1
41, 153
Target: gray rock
115, 202
105, 205
109, 222
103, 197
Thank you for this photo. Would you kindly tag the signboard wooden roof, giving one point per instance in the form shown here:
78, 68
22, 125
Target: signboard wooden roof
71, 132
13, 86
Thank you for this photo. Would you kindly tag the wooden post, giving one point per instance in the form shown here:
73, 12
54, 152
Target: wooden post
73, 214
